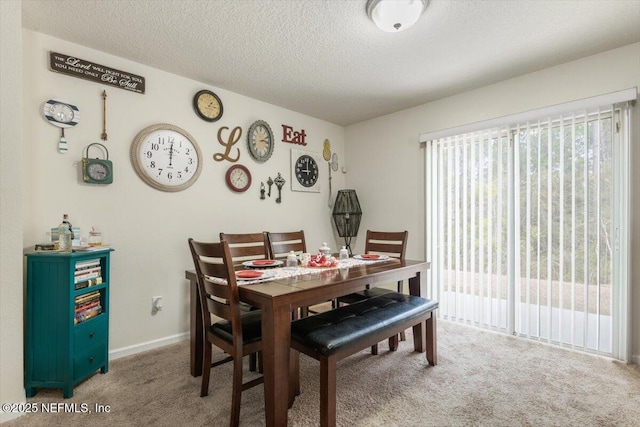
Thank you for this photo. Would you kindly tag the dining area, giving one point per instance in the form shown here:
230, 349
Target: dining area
249, 298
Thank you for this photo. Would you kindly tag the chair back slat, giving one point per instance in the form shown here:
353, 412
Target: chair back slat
217, 284
280, 244
393, 244
246, 246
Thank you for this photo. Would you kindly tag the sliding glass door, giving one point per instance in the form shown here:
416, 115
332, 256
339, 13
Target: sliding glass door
524, 225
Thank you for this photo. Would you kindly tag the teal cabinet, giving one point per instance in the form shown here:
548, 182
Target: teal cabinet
66, 319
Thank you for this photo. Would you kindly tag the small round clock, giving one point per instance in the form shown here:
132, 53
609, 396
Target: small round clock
238, 178
306, 170
166, 157
207, 105
260, 141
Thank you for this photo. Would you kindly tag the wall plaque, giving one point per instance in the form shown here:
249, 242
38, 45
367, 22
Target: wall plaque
87, 70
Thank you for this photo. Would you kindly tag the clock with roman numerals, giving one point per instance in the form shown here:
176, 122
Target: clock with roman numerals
305, 171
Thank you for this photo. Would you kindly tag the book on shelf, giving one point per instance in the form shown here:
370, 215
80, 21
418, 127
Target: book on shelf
87, 264
88, 271
84, 298
88, 276
87, 314
88, 283
87, 248
87, 306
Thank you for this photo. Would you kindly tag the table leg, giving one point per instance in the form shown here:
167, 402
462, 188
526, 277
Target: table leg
276, 341
195, 327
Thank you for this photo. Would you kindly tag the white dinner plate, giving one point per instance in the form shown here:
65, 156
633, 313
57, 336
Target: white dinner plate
258, 264
379, 258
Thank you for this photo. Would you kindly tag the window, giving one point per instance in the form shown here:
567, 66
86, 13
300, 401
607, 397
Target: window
525, 228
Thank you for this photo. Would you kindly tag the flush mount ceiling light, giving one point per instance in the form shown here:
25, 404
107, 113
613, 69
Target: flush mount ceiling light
395, 15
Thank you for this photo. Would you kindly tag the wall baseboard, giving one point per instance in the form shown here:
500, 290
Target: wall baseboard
145, 346
635, 358
8, 416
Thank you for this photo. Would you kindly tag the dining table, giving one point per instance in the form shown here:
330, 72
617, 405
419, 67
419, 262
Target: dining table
286, 289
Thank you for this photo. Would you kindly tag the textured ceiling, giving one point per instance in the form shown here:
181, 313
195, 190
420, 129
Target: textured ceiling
326, 59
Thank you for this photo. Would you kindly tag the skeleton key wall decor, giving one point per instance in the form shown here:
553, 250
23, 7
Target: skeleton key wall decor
279, 183
269, 183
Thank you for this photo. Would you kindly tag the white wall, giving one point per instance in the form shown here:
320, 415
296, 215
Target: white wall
11, 327
149, 228
390, 183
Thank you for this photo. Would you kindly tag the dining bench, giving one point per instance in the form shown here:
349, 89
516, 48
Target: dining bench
333, 335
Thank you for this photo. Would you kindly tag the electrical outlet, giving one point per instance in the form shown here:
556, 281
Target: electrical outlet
156, 303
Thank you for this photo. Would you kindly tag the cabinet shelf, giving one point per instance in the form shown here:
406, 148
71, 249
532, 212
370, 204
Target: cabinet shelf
60, 352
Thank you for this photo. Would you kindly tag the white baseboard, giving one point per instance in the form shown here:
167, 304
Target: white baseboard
8, 416
145, 346
635, 358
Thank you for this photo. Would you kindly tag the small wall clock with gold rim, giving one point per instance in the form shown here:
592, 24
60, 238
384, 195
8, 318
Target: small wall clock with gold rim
166, 157
208, 105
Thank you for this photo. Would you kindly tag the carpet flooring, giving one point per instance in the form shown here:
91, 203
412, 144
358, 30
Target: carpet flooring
482, 379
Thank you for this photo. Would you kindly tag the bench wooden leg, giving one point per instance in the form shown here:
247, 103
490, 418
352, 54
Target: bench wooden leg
328, 391
393, 343
432, 356
374, 349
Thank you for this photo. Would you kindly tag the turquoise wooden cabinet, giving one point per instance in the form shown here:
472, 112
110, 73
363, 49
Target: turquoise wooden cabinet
67, 319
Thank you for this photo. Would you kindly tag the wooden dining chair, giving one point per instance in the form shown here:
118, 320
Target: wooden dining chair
280, 244
246, 246
393, 244
238, 333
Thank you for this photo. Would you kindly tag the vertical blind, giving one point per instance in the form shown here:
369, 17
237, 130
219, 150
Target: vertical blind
523, 225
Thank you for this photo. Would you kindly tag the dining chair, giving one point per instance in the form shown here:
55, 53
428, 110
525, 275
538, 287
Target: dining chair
246, 246
238, 333
281, 244
392, 244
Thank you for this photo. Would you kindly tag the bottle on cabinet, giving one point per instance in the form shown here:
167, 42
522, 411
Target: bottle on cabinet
65, 235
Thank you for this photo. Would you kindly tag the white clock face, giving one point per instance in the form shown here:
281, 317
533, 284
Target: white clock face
166, 157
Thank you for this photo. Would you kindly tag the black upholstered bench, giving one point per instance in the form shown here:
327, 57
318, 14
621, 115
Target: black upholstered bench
333, 335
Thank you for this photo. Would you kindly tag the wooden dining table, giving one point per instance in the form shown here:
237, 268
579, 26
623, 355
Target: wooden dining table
278, 298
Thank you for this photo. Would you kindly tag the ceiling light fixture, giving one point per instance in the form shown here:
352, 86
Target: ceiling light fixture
395, 15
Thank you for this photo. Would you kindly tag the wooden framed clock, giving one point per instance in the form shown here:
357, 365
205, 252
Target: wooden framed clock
166, 157
305, 171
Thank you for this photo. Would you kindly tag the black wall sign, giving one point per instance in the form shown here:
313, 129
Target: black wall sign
77, 67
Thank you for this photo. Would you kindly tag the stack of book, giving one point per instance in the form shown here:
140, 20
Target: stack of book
88, 273
87, 306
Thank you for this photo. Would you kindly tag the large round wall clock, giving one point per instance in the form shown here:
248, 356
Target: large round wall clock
166, 157
208, 105
260, 141
238, 178
305, 171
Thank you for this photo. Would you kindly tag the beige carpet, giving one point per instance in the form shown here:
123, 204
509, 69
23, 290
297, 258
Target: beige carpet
482, 379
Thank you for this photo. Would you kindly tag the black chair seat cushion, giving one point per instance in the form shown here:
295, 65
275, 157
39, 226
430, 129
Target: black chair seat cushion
251, 327
361, 296
329, 332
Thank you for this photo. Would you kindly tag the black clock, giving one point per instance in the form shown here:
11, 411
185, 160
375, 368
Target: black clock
305, 171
